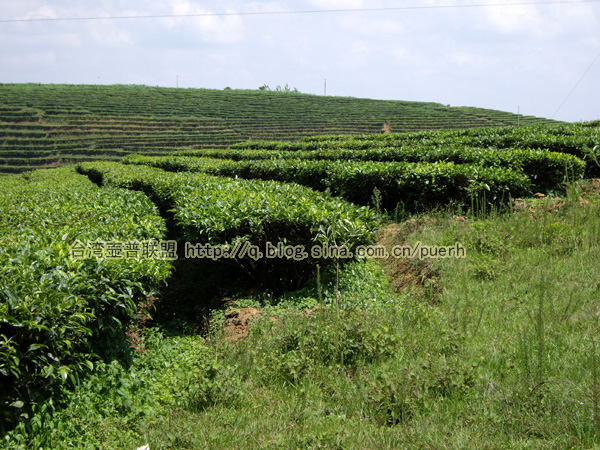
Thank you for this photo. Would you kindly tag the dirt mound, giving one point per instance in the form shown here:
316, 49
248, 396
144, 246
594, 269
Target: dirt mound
237, 321
405, 273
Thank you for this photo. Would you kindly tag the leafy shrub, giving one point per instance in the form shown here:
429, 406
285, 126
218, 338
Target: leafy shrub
546, 170
414, 184
58, 313
233, 212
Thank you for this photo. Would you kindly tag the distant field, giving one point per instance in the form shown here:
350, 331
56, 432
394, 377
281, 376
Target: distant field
52, 125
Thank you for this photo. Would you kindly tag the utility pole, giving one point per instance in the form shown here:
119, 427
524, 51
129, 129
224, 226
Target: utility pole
518, 115
325, 91
177, 81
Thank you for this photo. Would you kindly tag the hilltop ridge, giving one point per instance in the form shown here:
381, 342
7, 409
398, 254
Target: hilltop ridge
48, 125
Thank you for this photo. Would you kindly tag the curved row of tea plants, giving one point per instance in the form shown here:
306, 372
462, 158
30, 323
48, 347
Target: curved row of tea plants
545, 169
234, 214
57, 313
578, 139
380, 184
562, 137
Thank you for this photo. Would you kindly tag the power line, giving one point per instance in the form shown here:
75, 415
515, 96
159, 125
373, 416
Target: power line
573, 90
317, 11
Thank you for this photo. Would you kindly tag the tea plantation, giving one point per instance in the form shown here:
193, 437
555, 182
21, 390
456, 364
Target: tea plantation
113, 336
49, 125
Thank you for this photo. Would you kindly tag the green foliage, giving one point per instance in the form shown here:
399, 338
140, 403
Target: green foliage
48, 125
546, 170
417, 185
108, 404
479, 143
502, 354
501, 361
58, 313
235, 213
286, 89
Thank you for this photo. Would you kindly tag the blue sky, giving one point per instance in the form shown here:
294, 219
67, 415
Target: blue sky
528, 57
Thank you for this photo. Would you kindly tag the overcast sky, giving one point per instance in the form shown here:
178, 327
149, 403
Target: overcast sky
500, 57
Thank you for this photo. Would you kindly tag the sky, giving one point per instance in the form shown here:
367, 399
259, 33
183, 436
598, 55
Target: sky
512, 55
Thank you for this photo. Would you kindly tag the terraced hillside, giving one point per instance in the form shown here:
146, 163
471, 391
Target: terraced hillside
50, 125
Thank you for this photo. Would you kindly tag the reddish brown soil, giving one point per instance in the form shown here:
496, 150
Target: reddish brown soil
237, 322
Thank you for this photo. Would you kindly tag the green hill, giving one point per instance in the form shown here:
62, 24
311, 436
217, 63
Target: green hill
50, 125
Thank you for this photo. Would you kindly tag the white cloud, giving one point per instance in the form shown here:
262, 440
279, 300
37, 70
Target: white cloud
29, 61
110, 35
542, 21
524, 55
33, 41
463, 58
372, 28
43, 12
515, 18
209, 28
338, 4
356, 55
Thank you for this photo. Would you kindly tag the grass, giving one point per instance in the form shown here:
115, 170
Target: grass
496, 350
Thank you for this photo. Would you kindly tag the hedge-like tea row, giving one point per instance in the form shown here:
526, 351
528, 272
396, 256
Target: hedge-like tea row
225, 211
546, 170
55, 311
572, 138
411, 184
563, 138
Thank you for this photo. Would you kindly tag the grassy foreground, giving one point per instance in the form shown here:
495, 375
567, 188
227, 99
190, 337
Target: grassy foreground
495, 350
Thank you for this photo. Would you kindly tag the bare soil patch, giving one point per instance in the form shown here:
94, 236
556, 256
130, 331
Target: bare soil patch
407, 273
237, 322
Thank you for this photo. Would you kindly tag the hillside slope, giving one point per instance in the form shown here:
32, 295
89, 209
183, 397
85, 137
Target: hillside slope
47, 125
